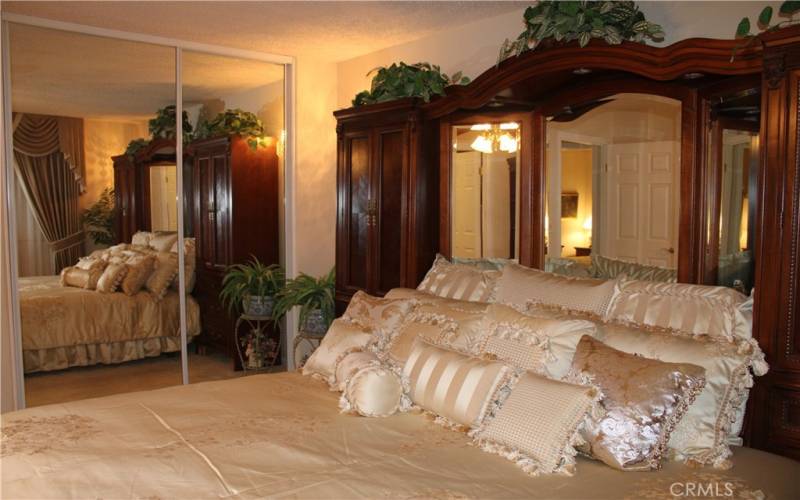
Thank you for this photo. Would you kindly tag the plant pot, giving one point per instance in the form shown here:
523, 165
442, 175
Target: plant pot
315, 323
258, 305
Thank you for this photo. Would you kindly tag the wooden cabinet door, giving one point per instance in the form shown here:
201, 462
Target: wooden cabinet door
389, 208
214, 210
354, 212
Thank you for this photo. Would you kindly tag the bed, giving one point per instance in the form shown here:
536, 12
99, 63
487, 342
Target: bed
64, 327
280, 435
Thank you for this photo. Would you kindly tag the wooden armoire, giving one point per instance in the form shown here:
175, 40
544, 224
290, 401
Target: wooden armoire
394, 173
387, 200
234, 217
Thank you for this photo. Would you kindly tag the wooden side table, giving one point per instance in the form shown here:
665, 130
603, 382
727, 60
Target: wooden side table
309, 337
257, 326
583, 251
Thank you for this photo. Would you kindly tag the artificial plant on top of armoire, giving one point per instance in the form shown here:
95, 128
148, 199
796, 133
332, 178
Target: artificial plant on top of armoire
423, 80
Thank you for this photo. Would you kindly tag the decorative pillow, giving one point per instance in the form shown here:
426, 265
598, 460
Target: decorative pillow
349, 364
487, 264
521, 285
539, 344
382, 316
163, 241
166, 268
682, 308
91, 264
459, 281
139, 270
453, 323
76, 277
458, 388
539, 423
374, 391
566, 267
341, 339
112, 278
644, 399
141, 238
703, 434
606, 268
189, 263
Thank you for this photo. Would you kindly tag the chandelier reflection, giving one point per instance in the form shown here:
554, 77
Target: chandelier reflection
503, 137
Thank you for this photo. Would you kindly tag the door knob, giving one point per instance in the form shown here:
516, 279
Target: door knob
669, 250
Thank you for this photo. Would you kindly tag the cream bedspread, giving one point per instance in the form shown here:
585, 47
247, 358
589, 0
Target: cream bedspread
281, 436
68, 326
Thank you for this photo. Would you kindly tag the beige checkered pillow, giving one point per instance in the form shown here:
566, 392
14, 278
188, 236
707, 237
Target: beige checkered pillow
521, 286
539, 424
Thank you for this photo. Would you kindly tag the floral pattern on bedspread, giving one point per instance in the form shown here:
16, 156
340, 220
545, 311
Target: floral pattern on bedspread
33, 435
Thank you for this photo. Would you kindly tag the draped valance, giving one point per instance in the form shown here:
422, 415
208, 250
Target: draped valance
41, 135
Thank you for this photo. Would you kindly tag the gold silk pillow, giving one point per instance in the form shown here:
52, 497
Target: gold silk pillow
139, 270
342, 338
141, 238
380, 315
349, 365
538, 425
459, 281
78, 278
166, 268
703, 434
453, 323
189, 264
163, 241
459, 389
91, 264
682, 308
521, 286
112, 278
374, 391
530, 343
644, 399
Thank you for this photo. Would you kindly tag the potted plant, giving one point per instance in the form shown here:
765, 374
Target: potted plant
233, 122
252, 287
315, 296
400, 80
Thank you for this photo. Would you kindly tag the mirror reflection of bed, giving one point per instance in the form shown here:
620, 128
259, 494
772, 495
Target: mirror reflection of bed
97, 190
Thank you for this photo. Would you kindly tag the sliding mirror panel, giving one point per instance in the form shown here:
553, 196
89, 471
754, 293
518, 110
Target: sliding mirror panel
484, 189
95, 203
233, 184
613, 188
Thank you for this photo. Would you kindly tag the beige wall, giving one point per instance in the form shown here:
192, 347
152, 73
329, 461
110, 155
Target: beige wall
102, 140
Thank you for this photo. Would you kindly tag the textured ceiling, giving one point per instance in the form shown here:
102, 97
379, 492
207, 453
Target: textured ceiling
330, 30
71, 74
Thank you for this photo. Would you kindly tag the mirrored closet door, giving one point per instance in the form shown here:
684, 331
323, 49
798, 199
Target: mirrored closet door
96, 213
232, 213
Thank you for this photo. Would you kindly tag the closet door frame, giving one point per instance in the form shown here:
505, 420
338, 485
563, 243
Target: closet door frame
179, 46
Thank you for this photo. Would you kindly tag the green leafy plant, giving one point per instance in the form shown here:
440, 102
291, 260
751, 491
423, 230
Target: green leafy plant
612, 21
98, 220
786, 10
135, 146
252, 279
311, 294
164, 124
233, 122
400, 80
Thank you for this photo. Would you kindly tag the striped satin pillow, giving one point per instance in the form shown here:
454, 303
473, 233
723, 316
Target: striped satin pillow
457, 388
459, 281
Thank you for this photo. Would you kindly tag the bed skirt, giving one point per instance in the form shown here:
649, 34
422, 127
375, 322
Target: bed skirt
59, 358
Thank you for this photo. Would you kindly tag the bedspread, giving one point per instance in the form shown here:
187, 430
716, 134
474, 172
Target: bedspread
281, 436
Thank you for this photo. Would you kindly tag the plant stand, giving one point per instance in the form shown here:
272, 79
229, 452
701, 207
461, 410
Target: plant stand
258, 327
305, 336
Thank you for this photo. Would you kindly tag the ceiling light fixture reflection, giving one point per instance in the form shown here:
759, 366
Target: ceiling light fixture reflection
503, 137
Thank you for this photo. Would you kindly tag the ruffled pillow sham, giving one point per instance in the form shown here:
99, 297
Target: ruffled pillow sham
342, 338
139, 269
458, 389
111, 278
459, 281
703, 434
164, 272
542, 345
538, 425
382, 316
374, 390
644, 399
